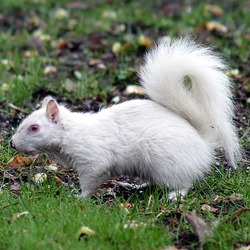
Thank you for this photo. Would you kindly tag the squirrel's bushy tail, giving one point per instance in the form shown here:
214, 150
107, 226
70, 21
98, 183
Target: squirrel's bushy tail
189, 79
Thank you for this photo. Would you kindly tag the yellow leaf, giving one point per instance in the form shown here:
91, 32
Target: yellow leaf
213, 9
145, 41
216, 26
85, 231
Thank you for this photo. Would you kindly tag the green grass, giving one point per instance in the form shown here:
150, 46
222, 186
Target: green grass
54, 221
55, 216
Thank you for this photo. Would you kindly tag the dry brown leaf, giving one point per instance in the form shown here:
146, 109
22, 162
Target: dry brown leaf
125, 208
200, 227
94, 62
15, 187
216, 26
19, 161
213, 9
127, 205
58, 180
62, 44
206, 207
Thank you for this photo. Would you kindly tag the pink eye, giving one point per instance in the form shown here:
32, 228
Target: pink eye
33, 128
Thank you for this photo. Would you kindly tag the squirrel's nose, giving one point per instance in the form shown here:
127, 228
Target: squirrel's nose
12, 144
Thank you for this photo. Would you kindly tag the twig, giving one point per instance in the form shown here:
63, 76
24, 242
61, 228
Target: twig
17, 108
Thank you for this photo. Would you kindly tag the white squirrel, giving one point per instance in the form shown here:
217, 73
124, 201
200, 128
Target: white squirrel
169, 140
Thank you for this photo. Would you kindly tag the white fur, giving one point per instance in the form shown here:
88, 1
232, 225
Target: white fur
169, 140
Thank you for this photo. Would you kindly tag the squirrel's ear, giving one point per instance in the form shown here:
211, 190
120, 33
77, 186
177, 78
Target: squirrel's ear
46, 101
52, 110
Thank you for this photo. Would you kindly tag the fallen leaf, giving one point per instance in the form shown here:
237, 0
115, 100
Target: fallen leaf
124, 208
78, 74
199, 225
216, 26
15, 187
30, 53
115, 99
213, 9
134, 89
94, 62
109, 14
51, 167
233, 73
36, 21
18, 215
126, 205
49, 70
5, 87
5, 62
39, 178
19, 161
116, 48
62, 44
145, 41
117, 29
206, 207
85, 231
58, 180
61, 14
39, 34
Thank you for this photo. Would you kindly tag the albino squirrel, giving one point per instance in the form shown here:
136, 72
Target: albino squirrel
169, 140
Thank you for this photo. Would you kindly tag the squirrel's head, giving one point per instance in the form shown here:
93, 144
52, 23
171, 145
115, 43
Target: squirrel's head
40, 130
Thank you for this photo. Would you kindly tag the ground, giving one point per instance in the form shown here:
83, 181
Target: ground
86, 54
